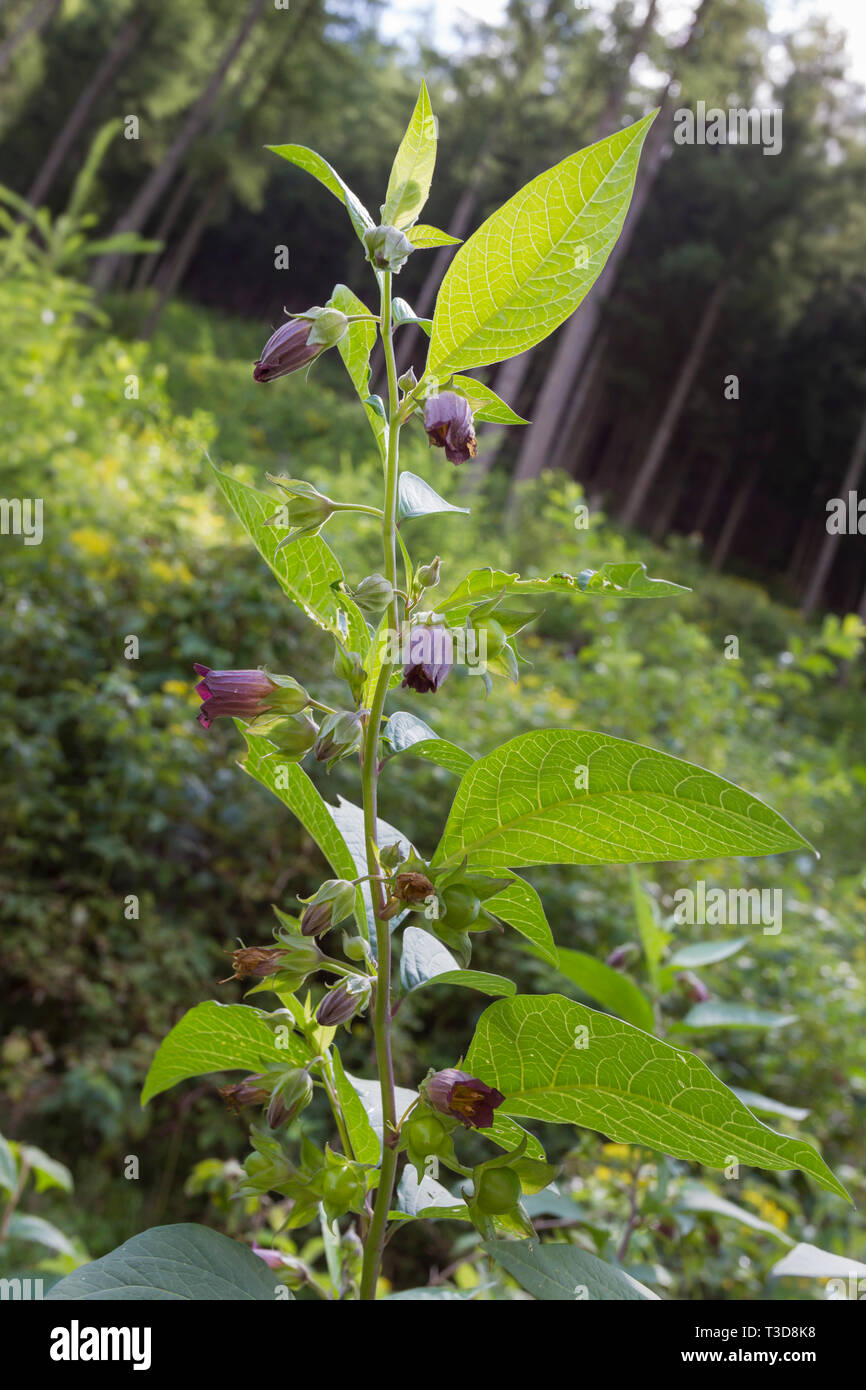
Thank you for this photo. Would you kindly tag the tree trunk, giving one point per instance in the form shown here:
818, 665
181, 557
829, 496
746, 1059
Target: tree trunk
709, 500
156, 183
35, 19
577, 335
654, 458
667, 512
149, 262
827, 553
176, 268
77, 119
572, 435
733, 519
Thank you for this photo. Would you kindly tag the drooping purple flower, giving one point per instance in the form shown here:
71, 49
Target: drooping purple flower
243, 694
286, 351
464, 1097
450, 425
429, 658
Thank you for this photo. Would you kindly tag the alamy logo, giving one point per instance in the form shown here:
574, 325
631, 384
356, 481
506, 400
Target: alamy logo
720, 907
739, 125
20, 1290
22, 516
77, 1343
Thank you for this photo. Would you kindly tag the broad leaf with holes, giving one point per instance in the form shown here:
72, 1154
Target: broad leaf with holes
563, 796
533, 261
555, 1060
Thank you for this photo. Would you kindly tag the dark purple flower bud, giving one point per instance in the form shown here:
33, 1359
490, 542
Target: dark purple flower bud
342, 1003
286, 351
243, 694
431, 656
464, 1097
450, 425
621, 955
694, 987
244, 1093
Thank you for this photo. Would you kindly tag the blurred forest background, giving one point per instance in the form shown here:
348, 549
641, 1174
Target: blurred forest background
142, 225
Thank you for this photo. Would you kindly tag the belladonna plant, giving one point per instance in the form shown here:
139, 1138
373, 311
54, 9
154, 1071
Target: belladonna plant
552, 796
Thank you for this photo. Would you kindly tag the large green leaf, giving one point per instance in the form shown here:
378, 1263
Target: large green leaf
169, 1263
426, 961
718, 1013
626, 579
486, 405
22, 1226
412, 171
555, 1060
320, 169
364, 1140
306, 569
405, 732
608, 987
695, 1196
533, 261
355, 348
563, 796
220, 1037
520, 906
417, 498
810, 1262
702, 953
564, 1273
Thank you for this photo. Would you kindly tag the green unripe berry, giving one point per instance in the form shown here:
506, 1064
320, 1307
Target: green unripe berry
498, 1191
461, 907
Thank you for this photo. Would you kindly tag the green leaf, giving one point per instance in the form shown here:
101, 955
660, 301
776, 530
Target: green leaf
220, 1037
8, 1167
291, 785
427, 1198
434, 1295
706, 953
412, 171
23, 1227
370, 1096
486, 405
170, 1263
563, 796
716, 1013
520, 906
555, 1060
608, 986
423, 237
401, 313
654, 938
809, 1262
625, 580
406, 733
364, 1141
533, 261
768, 1106
306, 570
694, 1196
426, 961
49, 1173
355, 347
320, 169
564, 1273
417, 498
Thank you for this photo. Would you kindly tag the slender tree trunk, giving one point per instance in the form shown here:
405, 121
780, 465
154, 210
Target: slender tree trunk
77, 119
35, 19
176, 268
577, 334
709, 500
827, 553
570, 444
173, 209
670, 417
733, 519
666, 513
156, 183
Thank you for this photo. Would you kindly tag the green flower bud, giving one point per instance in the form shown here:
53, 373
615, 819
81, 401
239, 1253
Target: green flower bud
408, 381
497, 1190
349, 667
387, 248
495, 637
330, 904
329, 326
306, 510
339, 735
460, 907
292, 735
428, 575
373, 595
289, 1097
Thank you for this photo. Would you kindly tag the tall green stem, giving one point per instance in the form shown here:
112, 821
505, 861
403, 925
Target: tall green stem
382, 1009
